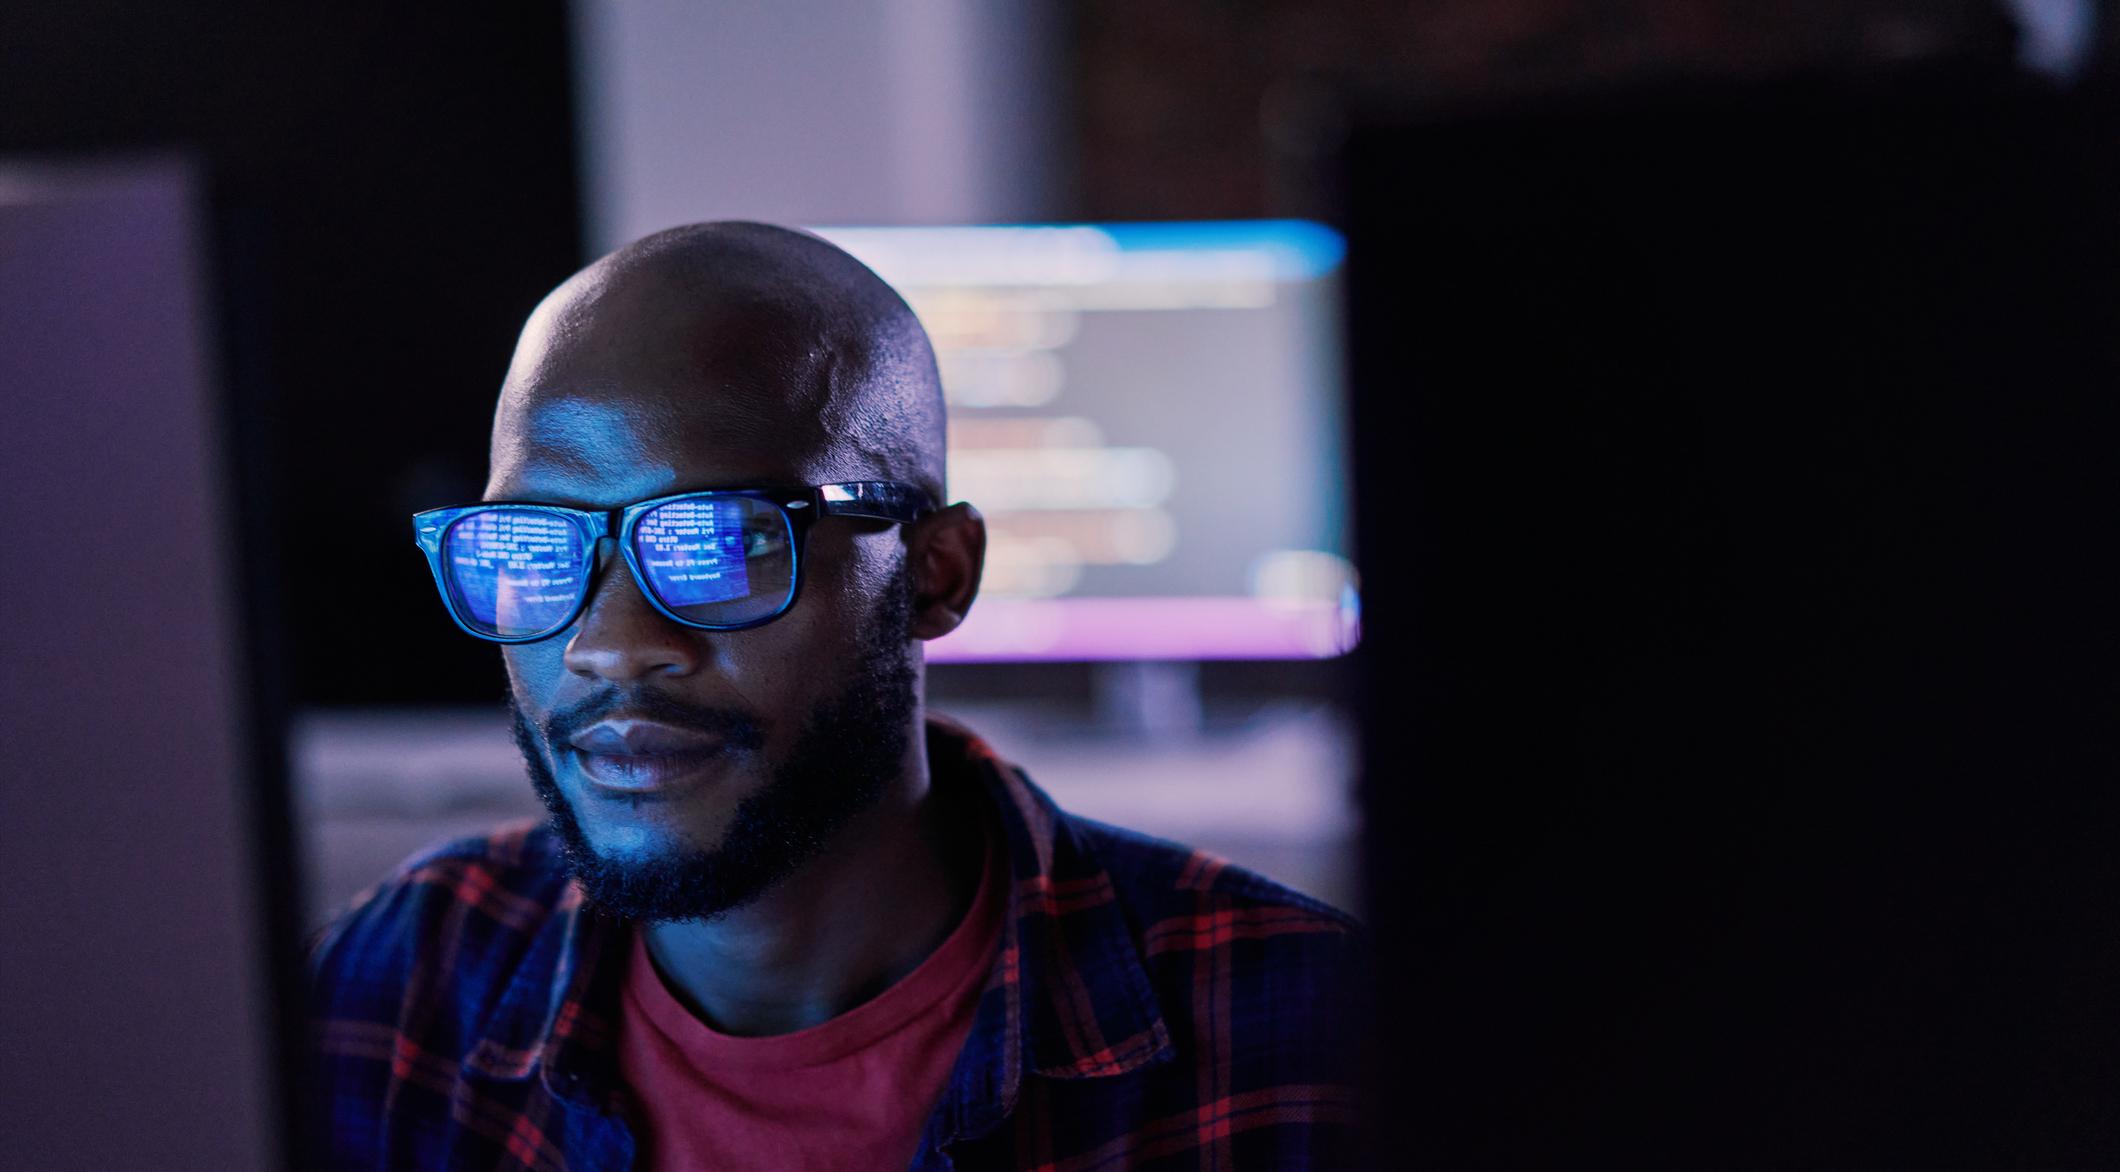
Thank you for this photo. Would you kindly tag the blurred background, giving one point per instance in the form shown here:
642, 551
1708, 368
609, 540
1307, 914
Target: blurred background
1714, 398
390, 198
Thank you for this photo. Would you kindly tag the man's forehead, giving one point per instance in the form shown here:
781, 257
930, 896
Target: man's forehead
667, 367
647, 323
613, 445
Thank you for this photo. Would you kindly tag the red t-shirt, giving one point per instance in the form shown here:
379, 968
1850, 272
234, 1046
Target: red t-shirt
852, 1093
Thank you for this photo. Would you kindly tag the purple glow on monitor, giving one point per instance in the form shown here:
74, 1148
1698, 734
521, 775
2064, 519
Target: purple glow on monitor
1009, 630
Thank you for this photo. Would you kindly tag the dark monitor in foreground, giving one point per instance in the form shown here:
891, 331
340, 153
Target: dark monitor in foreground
1737, 497
139, 1018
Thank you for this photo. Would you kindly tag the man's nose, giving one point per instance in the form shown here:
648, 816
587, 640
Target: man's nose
622, 636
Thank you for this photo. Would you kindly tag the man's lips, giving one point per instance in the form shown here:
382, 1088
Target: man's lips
642, 755
624, 737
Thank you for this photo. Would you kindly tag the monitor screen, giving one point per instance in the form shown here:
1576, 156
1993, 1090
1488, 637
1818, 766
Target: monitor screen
1149, 418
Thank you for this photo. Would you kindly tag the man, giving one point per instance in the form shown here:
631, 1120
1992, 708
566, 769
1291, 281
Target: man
779, 918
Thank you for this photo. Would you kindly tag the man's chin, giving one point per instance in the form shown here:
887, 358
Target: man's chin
645, 833
643, 854
665, 885
641, 868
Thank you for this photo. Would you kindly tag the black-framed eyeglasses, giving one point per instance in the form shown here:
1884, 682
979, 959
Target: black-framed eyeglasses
720, 560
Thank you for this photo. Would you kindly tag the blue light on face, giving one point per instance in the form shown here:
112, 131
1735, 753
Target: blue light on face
693, 551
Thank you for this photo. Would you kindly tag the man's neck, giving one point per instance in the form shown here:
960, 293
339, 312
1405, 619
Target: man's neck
887, 889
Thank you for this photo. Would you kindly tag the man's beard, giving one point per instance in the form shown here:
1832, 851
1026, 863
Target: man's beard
849, 749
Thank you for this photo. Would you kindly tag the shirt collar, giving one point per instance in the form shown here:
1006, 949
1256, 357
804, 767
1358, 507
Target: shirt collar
1068, 997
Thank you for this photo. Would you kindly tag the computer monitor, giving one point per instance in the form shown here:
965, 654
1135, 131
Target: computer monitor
145, 987
1149, 418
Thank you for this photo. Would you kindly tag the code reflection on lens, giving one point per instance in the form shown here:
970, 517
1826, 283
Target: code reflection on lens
693, 550
515, 571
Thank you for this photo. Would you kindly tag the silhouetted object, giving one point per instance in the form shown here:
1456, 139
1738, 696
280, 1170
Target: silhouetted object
144, 831
1736, 500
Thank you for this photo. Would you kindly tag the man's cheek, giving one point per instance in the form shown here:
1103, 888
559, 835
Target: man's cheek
784, 666
530, 671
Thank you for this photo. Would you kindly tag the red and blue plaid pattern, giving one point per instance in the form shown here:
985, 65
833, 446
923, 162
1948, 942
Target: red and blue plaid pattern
1151, 1007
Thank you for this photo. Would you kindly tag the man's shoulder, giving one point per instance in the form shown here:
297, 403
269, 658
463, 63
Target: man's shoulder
1156, 877
471, 905
1260, 994
1191, 912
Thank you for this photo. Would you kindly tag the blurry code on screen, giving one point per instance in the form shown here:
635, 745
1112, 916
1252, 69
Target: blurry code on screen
1148, 415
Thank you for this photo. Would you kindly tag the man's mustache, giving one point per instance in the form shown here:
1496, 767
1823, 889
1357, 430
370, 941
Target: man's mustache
736, 729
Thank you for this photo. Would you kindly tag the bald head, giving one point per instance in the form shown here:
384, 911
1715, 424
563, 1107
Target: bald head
728, 335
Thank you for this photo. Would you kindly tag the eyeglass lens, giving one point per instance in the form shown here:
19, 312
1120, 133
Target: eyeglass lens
514, 573
721, 561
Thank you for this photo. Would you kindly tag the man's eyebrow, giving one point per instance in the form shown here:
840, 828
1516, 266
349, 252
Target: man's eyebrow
775, 486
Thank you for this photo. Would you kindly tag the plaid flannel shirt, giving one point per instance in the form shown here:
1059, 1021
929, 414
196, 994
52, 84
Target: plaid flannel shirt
1150, 1007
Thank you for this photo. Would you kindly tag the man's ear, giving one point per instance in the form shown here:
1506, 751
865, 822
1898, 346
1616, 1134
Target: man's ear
947, 550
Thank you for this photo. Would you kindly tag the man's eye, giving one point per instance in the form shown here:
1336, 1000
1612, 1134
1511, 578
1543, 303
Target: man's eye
764, 542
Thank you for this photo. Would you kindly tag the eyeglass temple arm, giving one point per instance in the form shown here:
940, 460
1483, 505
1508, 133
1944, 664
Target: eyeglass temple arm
884, 500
